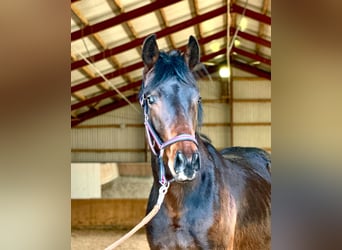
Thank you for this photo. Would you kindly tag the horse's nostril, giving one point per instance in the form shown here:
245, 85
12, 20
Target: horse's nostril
179, 161
182, 163
195, 162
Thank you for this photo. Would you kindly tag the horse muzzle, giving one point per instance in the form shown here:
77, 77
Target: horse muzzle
186, 168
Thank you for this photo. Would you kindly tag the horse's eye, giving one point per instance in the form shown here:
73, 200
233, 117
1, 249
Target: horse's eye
199, 99
151, 99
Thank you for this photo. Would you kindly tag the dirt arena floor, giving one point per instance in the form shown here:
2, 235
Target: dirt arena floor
85, 239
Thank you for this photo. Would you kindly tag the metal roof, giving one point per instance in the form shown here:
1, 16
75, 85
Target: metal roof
106, 39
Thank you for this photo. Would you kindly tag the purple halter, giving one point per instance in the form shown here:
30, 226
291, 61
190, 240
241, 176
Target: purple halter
153, 136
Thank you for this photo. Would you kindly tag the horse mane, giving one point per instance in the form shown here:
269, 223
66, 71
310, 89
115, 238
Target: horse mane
172, 65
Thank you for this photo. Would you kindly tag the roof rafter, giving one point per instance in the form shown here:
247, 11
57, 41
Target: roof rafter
250, 13
121, 18
251, 55
262, 25
251, 69
105, 95
159, 34
100, 102
163, 23
117, 9
98, 42
133, 98
103, 109
108, 107
136, 66
251, 37
193, 4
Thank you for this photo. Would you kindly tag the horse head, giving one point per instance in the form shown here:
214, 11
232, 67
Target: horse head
171, 101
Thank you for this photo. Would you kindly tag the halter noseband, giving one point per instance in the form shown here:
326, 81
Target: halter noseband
153, 138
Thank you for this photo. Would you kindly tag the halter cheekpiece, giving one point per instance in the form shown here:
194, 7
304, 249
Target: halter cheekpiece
154, 139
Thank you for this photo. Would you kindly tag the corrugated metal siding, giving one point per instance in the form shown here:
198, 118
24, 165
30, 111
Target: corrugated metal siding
110, 138
252, 89
216, 113
253, 136
210, 89
123, 115
251, 105
219, 136
252, 112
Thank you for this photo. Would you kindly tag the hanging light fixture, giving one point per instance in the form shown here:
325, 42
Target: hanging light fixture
224, 72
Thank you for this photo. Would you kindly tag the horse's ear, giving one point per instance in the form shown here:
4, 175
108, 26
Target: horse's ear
150, 51
192, 53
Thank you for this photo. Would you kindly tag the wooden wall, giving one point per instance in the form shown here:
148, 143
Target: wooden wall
107, 213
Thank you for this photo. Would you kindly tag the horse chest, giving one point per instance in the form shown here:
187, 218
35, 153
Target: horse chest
180, 230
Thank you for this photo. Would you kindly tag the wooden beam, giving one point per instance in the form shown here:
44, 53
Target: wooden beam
107, 94
108, 150
248, 78
163, 24
79, 15
250, 13
109, 75
101, 213
251, 37
251, 69
138, 65
222, 100
159, 34
128, 125
193, 4
256, 100
262, 25
127, 26
100, 44
251, 124
124, 17
251, 55
103, 109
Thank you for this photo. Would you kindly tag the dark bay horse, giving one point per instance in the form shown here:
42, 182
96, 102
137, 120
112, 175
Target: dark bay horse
215, 200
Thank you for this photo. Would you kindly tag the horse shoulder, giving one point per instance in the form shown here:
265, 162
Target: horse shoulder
252, 194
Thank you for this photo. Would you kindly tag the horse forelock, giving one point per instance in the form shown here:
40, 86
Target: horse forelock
169, 66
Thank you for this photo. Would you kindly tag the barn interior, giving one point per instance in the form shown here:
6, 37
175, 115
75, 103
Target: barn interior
110, 158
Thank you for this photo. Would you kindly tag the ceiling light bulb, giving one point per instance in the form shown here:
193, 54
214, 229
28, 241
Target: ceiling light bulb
224, 72
243, 23
237, 43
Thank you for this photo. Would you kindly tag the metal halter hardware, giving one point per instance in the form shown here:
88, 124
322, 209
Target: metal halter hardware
152, 135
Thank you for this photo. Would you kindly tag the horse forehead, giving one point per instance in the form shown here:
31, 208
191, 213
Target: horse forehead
178, 93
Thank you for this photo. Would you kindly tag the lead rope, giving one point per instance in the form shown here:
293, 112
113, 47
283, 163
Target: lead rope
162, 191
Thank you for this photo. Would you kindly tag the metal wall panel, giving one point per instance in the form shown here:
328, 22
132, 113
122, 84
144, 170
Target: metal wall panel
252, 112
219, 136
216, 113
252, 89
252, 136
